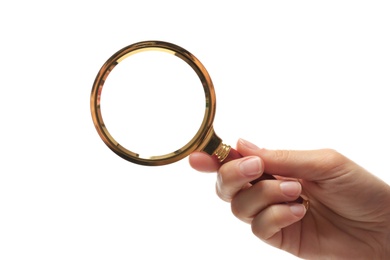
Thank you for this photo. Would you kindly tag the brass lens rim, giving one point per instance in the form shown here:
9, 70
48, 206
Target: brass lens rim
204, 132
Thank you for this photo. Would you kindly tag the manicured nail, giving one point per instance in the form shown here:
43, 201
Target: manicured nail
291, 188
250, 166
248, 144
298, 209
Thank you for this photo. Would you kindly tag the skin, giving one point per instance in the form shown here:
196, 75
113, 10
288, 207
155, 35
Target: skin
349, 213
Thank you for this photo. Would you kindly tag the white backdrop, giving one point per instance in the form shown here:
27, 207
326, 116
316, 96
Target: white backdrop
288, 74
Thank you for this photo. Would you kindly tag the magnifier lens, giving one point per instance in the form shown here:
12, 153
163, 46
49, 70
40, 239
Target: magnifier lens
152, 103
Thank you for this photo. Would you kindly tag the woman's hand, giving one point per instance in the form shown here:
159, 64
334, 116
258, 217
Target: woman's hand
349, 213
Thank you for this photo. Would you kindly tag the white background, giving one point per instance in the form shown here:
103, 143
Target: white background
288, 74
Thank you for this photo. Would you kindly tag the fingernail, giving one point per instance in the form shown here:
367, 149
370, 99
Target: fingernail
298, 209
250, 166
290, 188
248, 144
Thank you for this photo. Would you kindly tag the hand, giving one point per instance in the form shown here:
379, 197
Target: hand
349, 213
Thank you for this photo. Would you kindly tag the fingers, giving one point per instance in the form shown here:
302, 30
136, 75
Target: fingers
236, 175
269, 205
203, 162
248, 203
267, 225
314, 165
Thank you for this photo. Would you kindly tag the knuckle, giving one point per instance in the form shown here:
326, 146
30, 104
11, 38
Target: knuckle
221, 194
258, 231
262, 230
250, 201
332, 155
333, 159
282, 155
236, 209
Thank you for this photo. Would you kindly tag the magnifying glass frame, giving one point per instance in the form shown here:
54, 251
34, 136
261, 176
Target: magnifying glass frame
204, 140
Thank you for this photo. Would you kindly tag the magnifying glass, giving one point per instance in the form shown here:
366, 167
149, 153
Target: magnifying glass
205, 139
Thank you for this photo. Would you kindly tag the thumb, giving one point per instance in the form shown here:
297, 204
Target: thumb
311, 165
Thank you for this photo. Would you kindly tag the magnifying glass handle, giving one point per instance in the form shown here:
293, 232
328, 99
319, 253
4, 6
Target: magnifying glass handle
234, 154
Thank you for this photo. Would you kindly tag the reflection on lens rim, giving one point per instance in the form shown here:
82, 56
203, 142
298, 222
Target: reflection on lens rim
205, 131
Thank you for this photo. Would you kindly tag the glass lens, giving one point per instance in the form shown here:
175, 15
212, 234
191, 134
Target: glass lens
152, 103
